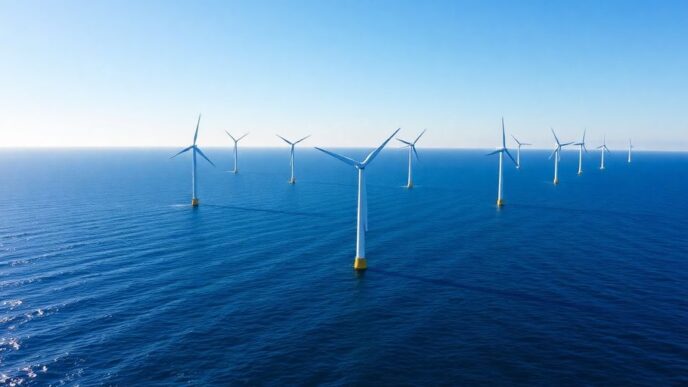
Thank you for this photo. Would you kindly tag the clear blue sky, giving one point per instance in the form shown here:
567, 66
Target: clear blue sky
136, 73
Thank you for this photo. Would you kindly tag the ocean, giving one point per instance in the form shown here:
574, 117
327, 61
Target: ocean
109, 277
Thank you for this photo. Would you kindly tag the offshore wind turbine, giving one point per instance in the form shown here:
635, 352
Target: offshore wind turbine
581, 148
603, 148
292, 180
518, 150
501, 152
412, 150
557, 156
236, 151
362, 211
630, 147
194, 149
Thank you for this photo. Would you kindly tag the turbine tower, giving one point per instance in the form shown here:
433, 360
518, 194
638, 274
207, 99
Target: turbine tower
236, 151
362, 212
194, 149
292, 180
630, 147
501, 152
603, 148
557, 156
581, 148
412, 150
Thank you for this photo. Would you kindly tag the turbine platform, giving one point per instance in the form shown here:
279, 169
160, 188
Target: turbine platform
360, 264
194, 202
500, 202
292, 181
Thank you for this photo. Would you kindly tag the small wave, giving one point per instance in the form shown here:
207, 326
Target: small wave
7, 343
12, 303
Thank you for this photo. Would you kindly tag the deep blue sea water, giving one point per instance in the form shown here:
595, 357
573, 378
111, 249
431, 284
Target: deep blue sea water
108, 276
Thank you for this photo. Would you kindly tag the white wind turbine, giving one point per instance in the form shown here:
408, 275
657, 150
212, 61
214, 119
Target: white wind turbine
518, 150
581, 148
362, 212
630, 147
501, 152
236, 151
557, 156
412, 149
292, 180
194, 149
603, 148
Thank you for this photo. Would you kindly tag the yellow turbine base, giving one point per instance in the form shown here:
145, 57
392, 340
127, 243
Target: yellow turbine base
556, 181
194, 202
360, 264
500, 202
292, 181
409, 186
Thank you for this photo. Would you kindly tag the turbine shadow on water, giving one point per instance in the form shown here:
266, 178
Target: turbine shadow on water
270, 211
486, 290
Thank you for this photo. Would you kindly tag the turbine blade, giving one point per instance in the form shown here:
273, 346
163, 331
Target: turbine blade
204, 156
239, 139
419, 136
405, 142
510, 156
182, 151
285, 140
503, 135
197, 124
515, 139
374, 153
553, 152
494, 153
302, 139
584, 130
525, 143
415, 152
566, 143
555, 136
230, 136
340, 157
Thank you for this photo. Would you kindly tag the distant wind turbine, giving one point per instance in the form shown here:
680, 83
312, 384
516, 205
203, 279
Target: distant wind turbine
603, 148
236, 151
194, 149
518, 150
581, 148
362, 212
630, 147
557, 156
501, 152
412, 150
292, 180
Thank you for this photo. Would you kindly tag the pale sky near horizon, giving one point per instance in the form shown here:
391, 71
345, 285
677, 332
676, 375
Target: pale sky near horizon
137, 73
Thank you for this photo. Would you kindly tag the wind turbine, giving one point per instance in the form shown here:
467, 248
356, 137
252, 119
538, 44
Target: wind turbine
501, 152
557, 156
518, 151
581, 148
412, 149
630, 147
236, 151
291, 162
362, 212
603, 148
194, 149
